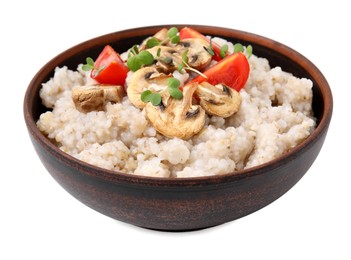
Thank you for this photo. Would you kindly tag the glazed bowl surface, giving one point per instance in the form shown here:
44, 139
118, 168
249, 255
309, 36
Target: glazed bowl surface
184, 203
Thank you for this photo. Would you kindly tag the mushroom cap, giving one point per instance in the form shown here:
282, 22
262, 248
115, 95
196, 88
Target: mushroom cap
198, 57
179, 118
147, 78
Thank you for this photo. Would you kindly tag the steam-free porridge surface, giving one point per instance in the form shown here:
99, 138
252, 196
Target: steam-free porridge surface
275, 116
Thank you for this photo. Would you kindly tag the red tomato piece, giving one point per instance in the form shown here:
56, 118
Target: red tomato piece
110, 69
186, 33
232, 71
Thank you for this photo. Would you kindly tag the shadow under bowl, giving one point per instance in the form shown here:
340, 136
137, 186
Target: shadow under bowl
186, 203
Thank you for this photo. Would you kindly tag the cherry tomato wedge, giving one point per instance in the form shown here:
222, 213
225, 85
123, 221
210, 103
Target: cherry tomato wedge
110, 68
233, 71
186, 33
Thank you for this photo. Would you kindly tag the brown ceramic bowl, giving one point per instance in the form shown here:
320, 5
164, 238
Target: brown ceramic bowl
180, 204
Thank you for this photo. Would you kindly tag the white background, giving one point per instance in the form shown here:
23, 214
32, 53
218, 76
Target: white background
39, 220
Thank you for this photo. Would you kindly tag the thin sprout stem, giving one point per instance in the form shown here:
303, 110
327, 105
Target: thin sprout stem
196, 71
164, 41
134, 52
187, 67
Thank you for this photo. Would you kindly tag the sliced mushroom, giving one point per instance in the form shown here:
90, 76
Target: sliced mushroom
219, 100
179, 118
94, 97
160, 35
147, 78
168, 58
198, 56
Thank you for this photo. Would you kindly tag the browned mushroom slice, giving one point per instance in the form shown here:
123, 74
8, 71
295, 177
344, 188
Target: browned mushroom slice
179, 118
219, 100
198, 56
147, 78
94, 97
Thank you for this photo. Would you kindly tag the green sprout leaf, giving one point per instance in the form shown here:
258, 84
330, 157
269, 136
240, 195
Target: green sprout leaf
134, 63
173, 83
155, 99
210, 49
89, 64
146, 58
173, 36
173, 88
90, 61
238, 47
172, 32
175, 39
144, 96
148, 96
223, 51
249, 51
184, 61
152, 42
158, 52
185, 56
175, 93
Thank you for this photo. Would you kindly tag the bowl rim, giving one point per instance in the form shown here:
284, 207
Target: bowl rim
119, 177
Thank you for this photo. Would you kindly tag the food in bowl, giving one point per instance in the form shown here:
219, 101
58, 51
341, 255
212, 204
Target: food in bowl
172, 111
179, 203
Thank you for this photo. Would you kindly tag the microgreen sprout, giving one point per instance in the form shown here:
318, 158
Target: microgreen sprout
152, 42
238, 47
249, 51
138, 59
155, 98
173, 82
172, 35
148, 96
158, 52
223, 51
173, 88
185, 58
133, 51
90, 64
210, 49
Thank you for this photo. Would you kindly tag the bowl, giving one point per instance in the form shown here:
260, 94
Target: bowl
185, 203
